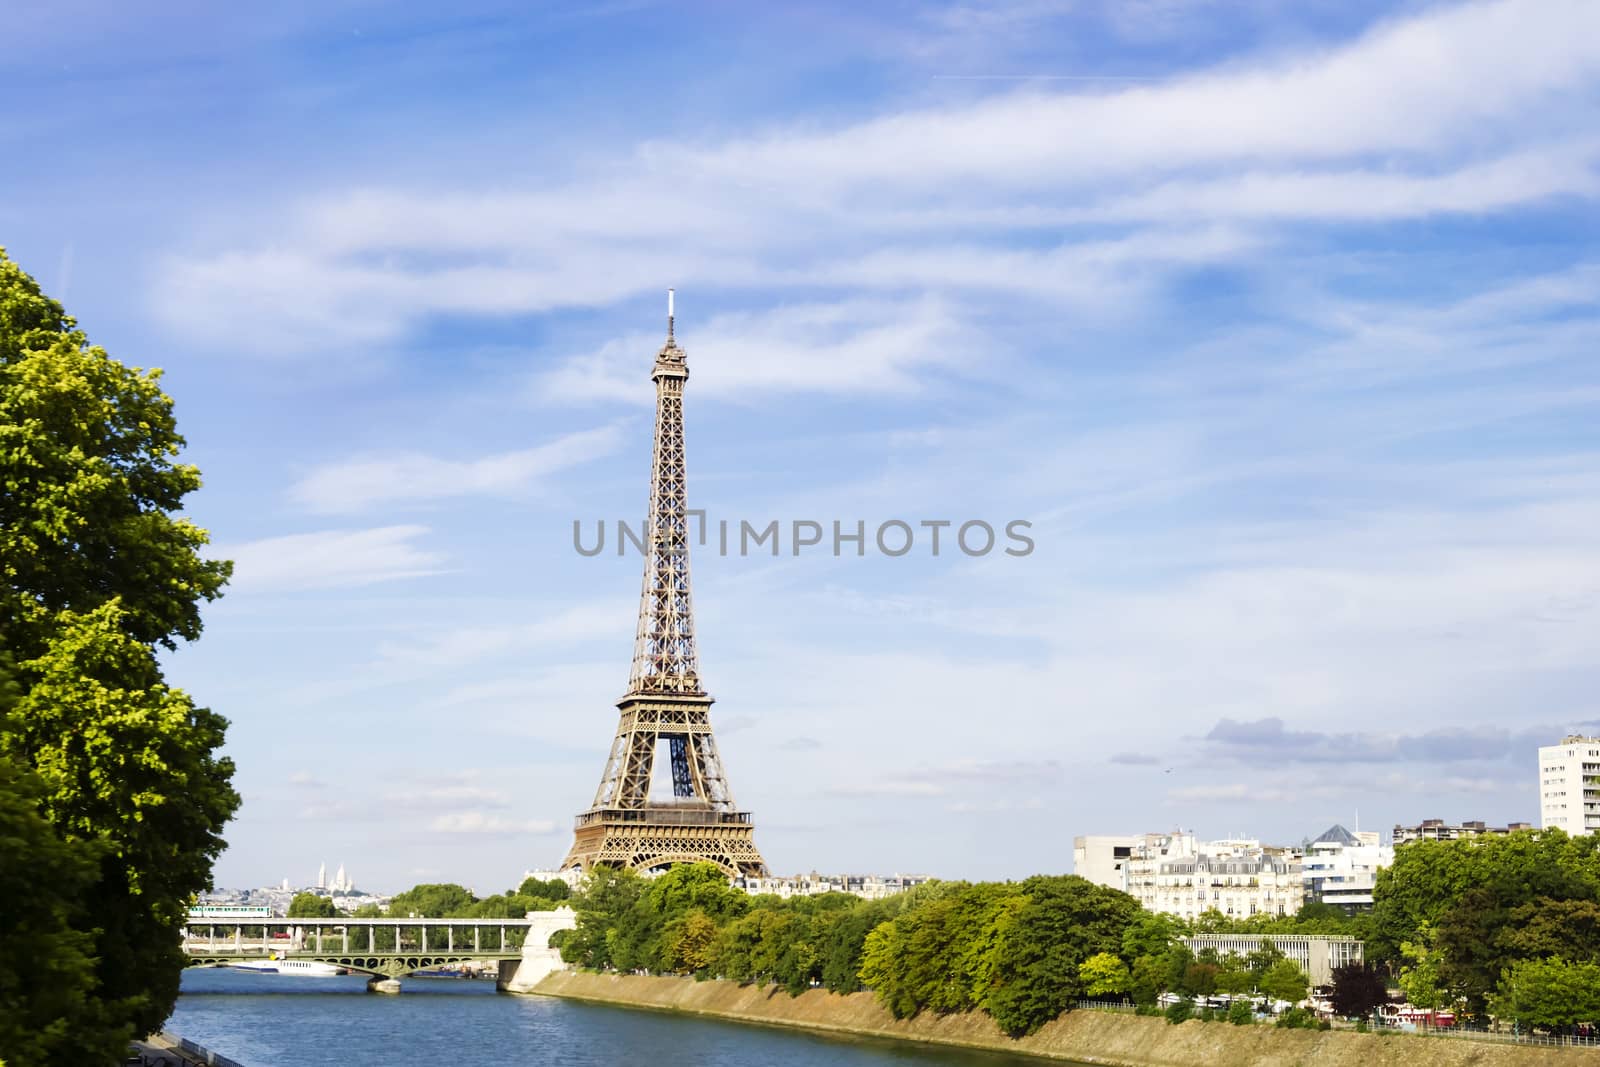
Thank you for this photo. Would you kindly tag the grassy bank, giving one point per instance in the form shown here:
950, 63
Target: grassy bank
1082, 1036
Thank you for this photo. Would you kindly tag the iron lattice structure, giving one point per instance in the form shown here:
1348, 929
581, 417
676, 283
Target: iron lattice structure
624, 827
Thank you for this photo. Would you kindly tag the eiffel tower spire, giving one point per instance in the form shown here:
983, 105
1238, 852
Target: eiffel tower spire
624, 827
664, 659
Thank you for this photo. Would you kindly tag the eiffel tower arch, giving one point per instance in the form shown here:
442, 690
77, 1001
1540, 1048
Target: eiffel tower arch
624, 827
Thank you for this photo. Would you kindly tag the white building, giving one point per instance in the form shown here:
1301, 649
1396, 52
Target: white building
1317, 954
1103, 858
867, 886
1341, 868
1569, 785
1175, 874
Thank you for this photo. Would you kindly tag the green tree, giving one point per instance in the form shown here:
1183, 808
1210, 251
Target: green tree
1548, 993
1065, 921
1200, 979
1569, 929
1285, 980
1467, 935
306, 905
604, 898
1178, 960
382, 936
1233, 976
844, 940
1240, 1013
943, 952
1104, 974
93, 492
1151, 933
432, 900
96, 570
1147, 980
1419, 975
48, 1013
545, 889
1428, 879
1261, 961
690, 943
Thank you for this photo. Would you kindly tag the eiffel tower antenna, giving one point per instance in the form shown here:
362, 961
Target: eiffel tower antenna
624, 827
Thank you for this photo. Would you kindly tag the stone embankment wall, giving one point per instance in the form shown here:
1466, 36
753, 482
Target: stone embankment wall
1081, 1036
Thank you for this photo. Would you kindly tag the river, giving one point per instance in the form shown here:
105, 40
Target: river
264, 1020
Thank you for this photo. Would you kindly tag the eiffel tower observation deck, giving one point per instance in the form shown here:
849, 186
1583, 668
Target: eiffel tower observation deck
665, 701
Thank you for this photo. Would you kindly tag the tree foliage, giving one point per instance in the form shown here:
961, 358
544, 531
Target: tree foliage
48, 1010
1104, 974
432, 900
307, 905
1549, 993
1358, 990
97, 570
1066, 920
1285, 980
553, 889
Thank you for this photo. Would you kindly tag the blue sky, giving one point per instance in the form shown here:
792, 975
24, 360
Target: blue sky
1277, 320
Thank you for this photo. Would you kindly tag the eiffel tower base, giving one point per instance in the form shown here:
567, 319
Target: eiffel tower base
650, 839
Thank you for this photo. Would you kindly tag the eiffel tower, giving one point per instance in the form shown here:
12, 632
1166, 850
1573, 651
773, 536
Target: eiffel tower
624, 827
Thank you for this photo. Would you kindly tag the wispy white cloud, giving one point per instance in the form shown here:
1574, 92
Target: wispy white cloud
853, 346
410, 478
1468, 108
330, 558
477, 822
454, 647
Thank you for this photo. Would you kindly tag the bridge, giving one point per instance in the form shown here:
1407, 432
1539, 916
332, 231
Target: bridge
386, 948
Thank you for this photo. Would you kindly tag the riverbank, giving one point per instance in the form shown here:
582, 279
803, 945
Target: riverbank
169, 1050
1090, 1037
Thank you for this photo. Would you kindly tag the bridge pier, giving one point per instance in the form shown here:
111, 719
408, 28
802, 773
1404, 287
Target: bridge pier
379, 984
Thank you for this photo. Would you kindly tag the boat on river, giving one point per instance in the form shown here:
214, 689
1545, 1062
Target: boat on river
277, 965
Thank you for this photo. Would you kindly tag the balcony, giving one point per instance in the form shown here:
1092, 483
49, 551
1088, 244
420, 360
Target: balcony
663, 816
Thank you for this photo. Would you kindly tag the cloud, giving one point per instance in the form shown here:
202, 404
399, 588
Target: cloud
957, 776
1444, 78
891, 787
440, 796
1464, 109
476, 822
360, 484
456, 647
1269, 737
1134, 759
851, 346
1363, 194
330, 558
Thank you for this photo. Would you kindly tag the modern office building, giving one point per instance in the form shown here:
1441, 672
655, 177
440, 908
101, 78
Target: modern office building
1316, 954
1341, 867
1569, 785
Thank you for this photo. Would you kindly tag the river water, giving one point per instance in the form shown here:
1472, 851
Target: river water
266, 1020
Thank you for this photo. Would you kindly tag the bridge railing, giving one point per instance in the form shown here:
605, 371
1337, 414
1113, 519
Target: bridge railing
374, 936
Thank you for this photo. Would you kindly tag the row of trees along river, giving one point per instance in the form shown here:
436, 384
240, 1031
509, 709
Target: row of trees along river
1505, 927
